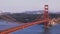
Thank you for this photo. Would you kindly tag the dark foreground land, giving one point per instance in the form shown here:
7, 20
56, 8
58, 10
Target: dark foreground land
29, 17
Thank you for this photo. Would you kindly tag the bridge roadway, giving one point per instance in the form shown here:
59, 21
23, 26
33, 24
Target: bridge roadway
7, 31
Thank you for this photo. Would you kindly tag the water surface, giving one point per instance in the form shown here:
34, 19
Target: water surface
35, 29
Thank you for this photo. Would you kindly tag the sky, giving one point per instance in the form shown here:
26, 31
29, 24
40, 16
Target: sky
16, 6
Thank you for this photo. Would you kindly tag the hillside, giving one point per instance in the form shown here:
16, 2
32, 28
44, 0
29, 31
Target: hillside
29, 17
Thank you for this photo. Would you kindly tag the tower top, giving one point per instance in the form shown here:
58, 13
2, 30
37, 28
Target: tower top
46, 5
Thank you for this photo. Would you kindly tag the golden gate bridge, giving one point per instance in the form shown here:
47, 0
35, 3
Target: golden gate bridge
13, 29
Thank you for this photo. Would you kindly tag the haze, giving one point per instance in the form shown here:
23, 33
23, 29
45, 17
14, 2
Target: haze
16, 6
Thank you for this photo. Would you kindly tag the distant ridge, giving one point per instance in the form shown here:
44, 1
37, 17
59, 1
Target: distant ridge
33, 12
39, 12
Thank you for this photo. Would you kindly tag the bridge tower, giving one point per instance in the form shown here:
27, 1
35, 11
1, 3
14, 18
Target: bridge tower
46, 16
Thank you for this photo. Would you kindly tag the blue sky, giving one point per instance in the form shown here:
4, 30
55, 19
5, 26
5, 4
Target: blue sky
28, 5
